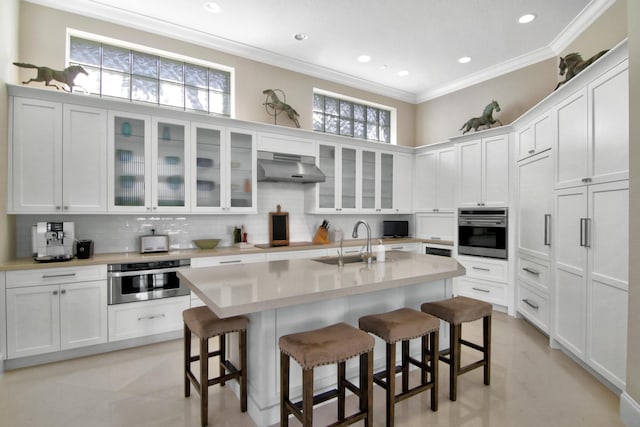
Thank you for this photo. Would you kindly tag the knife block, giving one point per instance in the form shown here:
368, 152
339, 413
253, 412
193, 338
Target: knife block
321, 237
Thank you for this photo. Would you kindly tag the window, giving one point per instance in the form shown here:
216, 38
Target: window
347, 117
146, 76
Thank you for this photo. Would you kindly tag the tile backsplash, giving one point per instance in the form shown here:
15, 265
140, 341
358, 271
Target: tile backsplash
121, 233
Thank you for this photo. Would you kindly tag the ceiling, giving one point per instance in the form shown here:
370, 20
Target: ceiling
423, 37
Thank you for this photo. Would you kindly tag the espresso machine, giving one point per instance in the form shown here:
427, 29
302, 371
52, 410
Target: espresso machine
52, 241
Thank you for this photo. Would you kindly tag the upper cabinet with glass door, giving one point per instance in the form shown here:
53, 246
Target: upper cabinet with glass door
339, 191
170, 168
241, 177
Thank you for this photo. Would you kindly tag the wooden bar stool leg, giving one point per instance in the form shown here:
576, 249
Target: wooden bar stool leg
434, 350
405, 366
222, 339
454, 365
187, 361
423, 370
204, 381
307, 397
486, 338
284, 389
366, 387
391, 383
243, 371
341, 390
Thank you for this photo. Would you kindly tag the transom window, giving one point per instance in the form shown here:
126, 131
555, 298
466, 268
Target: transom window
351, 118
134, 74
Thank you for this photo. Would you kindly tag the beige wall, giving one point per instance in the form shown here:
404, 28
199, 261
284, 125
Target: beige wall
518, 91
633, 349
8, 53
42, 42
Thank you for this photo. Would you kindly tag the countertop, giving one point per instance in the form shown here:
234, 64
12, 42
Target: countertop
233, 290
122, 257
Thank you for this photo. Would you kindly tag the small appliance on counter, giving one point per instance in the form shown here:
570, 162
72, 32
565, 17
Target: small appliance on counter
52, 241
395, 229
84, 249
154, 243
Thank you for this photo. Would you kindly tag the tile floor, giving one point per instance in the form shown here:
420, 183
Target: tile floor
531, 385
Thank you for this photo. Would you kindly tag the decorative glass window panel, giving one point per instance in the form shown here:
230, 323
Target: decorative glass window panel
346, 127
385, 134
372, 115
372, 131
318, 122
359, 112
331, 124
318, 102
346, 109
385, 118
358, 130
141, 76
331, 106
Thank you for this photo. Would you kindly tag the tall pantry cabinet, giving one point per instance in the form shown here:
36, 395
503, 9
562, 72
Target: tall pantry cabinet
591, 224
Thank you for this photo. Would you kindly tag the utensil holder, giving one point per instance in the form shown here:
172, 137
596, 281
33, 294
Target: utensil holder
321, 237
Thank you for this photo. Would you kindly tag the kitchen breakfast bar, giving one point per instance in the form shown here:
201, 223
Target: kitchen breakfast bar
283, 297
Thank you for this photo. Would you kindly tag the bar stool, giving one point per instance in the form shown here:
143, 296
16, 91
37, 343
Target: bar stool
332, 344
204, 324
404, 325
457, 311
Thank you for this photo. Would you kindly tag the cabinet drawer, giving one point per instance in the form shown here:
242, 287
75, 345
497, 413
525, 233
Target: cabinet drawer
535, 273
226, 260
139, 319
492, 292
533, 306
405, 247
50, 276
487, 269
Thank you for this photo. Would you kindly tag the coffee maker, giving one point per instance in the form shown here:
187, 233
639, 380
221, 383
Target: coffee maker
53, 241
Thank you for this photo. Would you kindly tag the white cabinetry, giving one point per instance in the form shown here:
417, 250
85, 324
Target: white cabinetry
55, 309
435, 226
593, 131
483, 174
486, 280
139, 319
338, 192
535, 137
402, 183
45, 136
435, 179
591, 267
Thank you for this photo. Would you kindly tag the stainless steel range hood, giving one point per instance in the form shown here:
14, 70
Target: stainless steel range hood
280, 167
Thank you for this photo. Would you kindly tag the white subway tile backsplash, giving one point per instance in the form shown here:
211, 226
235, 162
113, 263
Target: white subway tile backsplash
121, 233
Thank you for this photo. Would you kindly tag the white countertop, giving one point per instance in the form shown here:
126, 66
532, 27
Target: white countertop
243, 289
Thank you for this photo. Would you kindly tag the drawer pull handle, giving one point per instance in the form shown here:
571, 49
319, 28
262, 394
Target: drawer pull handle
50, 276
397, 248
233, 261
530, 304
151, 317
436, 238
481, 268
529, 270
481, 290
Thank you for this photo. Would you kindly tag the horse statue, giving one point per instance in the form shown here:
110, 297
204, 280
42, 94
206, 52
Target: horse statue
46, 74
572, 64
485, 120
278, 106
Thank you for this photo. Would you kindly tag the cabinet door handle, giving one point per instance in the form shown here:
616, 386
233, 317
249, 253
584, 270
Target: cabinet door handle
481, 290
481, 268
151, 317
532, 151
547, 229
584, 232
233, 261
55, 292
63, 291
530, 270
49, 276
530, 304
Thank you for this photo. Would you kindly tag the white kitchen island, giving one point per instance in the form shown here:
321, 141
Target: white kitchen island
282, 297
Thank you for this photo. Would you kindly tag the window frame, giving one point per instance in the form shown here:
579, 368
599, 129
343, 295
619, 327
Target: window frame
392, 119
162, 54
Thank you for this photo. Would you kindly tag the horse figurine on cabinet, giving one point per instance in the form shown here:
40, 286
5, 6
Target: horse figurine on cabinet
572, 64
277, 105
485, 120
46, 74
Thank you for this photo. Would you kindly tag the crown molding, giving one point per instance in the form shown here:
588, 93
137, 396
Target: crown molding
580, 23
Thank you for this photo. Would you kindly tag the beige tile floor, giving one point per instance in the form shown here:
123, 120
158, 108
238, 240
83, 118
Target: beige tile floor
531, 385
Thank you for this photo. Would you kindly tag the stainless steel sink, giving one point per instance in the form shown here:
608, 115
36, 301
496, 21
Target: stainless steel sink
348, 259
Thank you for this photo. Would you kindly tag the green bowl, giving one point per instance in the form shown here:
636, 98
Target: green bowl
206, 243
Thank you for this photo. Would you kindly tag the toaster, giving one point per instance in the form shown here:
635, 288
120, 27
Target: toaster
154, 243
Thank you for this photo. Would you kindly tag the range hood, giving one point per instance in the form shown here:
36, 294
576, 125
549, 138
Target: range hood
280, 167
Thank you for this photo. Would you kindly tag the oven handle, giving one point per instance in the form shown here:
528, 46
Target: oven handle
476, 222
143, 272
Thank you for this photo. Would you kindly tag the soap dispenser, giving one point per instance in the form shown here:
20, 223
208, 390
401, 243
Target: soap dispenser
380, 252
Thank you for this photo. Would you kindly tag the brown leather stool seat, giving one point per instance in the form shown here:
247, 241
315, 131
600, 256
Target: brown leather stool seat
203, 323
404, 325
456, 311
332, 344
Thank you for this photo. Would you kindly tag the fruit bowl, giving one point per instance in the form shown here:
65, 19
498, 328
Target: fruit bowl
206, 243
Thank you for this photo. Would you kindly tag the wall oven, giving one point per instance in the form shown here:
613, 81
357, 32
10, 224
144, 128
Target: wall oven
483, 232
141, 281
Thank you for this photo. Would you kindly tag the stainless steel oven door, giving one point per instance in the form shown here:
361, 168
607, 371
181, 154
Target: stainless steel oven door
133, 286
483, 233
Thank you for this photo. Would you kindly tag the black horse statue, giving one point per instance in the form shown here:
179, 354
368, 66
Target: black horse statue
46, 74
572, 64
485, 120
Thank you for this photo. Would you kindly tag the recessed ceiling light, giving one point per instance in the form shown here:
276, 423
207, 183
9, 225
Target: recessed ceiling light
464, 59
364, 58
403, 73
525, 19
212, 7
300, 36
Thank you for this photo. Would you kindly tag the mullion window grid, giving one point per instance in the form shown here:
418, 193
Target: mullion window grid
158, 79
350, 131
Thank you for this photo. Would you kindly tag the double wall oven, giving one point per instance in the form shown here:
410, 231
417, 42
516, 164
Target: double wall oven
483, 232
